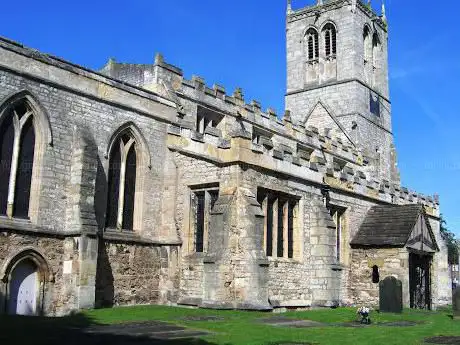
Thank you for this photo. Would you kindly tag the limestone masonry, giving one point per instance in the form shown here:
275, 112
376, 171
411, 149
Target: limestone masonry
134, 185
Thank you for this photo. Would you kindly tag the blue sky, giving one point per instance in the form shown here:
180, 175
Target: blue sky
241, 43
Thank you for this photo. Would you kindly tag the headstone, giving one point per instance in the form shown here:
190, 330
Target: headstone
456, 302
391, 295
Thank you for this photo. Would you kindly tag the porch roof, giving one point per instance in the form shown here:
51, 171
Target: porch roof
390, 226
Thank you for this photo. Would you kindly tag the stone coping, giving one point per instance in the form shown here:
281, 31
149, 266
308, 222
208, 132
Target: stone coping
25, 226
131, 237
316, 172
18, 48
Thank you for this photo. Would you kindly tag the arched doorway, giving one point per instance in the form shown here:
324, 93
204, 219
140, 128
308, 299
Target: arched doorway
23, 289
24, 282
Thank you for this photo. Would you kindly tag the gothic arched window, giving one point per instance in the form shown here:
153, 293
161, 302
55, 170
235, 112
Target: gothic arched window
367, 44
17, 149
122, 183
330, 40
311, 39
375, 49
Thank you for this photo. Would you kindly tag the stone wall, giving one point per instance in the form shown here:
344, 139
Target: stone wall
192, 172
81, 111
390, 261
129, 274
440, 278
59, 287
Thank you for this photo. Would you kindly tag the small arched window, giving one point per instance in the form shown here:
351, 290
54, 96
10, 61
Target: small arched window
312, 43
17, 149
375, 274
367, 44
375, 49
122, 183
330, 40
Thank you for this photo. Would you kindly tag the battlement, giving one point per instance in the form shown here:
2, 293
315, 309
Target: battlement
245, 132
262, 138
318, 7
318, 160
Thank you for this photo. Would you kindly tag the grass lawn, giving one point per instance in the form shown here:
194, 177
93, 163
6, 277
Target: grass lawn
238, 327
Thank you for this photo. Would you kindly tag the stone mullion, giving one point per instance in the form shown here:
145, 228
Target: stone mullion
285, 229
296, 232
275, 229
207, 215
338, 231
192, 223
201, 124
265, 210
14, 166
121, 189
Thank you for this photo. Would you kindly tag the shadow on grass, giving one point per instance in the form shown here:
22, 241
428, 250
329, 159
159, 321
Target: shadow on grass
77, 329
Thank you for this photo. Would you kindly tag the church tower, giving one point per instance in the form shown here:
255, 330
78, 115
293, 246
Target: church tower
337, 77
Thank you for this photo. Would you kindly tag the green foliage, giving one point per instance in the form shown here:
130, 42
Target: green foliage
451, 242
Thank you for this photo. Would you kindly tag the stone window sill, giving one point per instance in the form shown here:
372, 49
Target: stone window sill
339, 267
131, 237
276, 260
26, 226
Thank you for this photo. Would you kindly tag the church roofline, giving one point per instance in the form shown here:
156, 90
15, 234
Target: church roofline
234, 105
58, 62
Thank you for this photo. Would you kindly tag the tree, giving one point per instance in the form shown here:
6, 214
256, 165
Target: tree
451, 242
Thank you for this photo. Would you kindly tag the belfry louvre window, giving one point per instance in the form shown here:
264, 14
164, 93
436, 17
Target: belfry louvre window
201, 203
330, 40
312, 44
122, 183
367, 45
17, 149
281, 218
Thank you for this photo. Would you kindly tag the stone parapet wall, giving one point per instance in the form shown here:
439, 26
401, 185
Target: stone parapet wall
319, 168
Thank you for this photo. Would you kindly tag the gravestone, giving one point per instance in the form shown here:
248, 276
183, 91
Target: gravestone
390, 295
456, 303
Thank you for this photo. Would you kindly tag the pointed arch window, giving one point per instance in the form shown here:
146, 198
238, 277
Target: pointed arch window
311, 39
367, 44
122, 176
330, 40
375, 49
17, 150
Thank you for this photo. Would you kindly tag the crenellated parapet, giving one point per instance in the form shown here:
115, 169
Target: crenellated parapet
241, 131
304, 153
315, 10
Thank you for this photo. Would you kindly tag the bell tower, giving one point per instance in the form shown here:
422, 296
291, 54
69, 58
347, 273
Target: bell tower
337, 76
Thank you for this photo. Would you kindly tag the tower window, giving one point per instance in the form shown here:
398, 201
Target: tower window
374, 103
312, 44
375, 49
330, 40
367, 44
17, 149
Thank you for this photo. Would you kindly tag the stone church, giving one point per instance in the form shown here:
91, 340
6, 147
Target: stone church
134, 185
